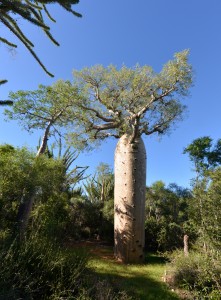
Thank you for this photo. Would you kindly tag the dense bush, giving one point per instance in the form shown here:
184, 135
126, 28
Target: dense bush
102, 290
90, 220
197, 272
107, 231
84, 219
39, 269
167, 217
52, 217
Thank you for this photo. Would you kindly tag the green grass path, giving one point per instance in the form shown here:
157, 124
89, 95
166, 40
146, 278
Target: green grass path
143, 282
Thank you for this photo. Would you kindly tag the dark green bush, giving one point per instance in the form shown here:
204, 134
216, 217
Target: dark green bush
107, 226
152, 229
39, 269
162, 235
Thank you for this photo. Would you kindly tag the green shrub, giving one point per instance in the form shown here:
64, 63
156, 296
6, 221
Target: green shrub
102, 290
51, 218
162, 235
197, 272
152, 229
39, 269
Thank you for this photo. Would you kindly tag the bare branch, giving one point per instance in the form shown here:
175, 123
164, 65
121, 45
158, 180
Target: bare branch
160, 127
98, 114
27, 45
106, 134
111, 125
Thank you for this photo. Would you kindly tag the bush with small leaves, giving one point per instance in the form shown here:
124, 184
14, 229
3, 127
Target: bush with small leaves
39, 269
197, 272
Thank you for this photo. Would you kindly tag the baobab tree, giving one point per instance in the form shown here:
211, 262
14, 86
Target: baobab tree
127, 104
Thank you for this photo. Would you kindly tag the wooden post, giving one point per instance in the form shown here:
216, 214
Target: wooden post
186, 246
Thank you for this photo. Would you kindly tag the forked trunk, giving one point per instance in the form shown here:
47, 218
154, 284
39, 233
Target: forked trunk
129, 200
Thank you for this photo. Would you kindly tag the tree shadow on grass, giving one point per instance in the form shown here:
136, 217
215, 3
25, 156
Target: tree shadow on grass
137, 280
139, 287
151, 258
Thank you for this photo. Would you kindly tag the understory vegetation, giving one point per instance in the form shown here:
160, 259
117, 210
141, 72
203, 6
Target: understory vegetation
49, 260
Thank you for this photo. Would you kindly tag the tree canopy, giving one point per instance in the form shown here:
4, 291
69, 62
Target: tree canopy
50, 109
204, 154
103, 102
134, 101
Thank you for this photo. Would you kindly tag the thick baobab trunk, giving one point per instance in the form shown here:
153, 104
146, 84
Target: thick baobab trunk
129, 200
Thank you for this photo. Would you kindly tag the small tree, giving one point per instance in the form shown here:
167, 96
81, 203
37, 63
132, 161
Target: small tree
125, 104
166, 216
48, 109
204, 154
206, 157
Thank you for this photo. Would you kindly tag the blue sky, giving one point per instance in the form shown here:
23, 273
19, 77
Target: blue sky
127, 32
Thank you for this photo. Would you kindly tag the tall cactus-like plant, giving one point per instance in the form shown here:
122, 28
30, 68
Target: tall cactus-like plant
31, 11
126, 104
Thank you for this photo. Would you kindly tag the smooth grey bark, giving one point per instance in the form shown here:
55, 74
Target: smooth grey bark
44, 141
129, 200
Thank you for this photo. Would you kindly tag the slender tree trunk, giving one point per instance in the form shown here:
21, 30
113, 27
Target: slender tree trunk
102, 199
24, 212
28, 197
129, 198
44, 141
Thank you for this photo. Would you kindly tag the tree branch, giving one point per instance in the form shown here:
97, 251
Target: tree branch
98, 114
111, 125
44, 142
160, 127
106, 134
154, 99
135, 127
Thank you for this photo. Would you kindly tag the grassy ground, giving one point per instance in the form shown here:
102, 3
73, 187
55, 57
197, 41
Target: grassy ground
143, 282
